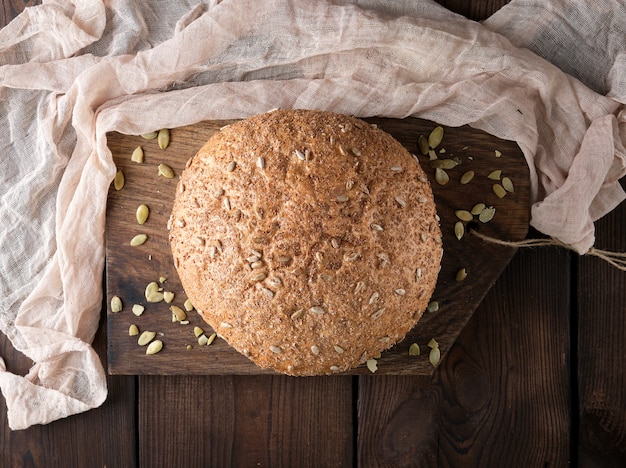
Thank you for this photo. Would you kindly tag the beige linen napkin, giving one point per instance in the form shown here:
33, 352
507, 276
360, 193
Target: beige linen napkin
72, 71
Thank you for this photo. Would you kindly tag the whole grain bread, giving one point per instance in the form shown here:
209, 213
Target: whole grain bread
308, 240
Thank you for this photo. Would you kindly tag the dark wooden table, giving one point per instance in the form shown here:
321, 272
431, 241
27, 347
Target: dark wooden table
536, 379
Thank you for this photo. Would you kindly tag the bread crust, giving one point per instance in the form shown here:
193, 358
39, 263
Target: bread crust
308, 240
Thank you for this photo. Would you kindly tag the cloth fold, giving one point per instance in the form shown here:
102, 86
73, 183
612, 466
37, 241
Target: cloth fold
108, 66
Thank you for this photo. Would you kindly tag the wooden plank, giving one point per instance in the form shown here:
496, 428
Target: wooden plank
130, 269
500, 398
245, 421
601, 359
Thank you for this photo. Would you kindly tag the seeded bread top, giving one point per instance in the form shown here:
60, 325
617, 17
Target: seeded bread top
308, 240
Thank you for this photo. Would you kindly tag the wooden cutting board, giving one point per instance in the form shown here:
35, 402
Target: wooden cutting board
129, 269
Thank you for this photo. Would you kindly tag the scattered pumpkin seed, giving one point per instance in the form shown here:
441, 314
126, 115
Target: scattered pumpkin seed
189, 347
138, 240
188, 305
116, 304
146, 337
467, 177
499, 190
422, 143
133, 330
495, 175
178, 314
435, 137
197, 331
153, 293
434, 356
459, 230
507, 183
432, 156
203, 340
168, 296
142, 214
154, 347
487, 214
165, 171
433, 343
211, 338
461, 274
414, 350
433, 306
498, 154
149, 135
372, 365
155, 297
477, 209
444, 163
118, 182
163, 138
137, 155
151, 288
464, 215
441, 176
138, 309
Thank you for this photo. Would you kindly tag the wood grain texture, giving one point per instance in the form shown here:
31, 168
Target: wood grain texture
130, 269
601, 360
500, 398
263, 421
477, 410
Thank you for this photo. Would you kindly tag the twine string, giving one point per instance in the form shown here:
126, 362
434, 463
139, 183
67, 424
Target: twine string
615, 259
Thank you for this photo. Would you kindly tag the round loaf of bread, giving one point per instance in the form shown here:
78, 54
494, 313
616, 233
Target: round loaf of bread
308, 240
